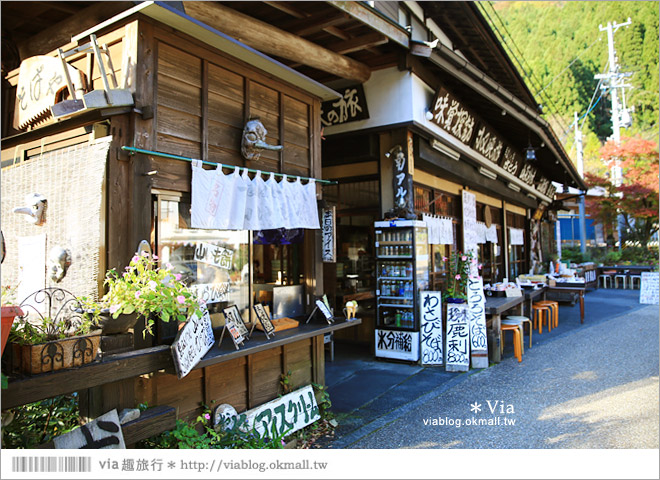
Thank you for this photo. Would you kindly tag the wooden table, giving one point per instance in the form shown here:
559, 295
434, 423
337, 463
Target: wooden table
572, 289
495, 306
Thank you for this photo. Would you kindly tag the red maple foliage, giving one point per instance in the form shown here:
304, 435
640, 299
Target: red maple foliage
637, 198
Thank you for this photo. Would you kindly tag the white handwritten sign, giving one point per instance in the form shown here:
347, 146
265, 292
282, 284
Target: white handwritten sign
233, 315
211, 292
192, 342
399, 345
516, 236
213, 255
477, 318
103, 432
458, 338
328, 235
648, 292
431, 346
470, 227
324, 310
283, 415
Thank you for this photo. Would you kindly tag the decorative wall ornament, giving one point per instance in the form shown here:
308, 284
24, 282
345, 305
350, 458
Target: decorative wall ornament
35, 208
254, 140
59, 261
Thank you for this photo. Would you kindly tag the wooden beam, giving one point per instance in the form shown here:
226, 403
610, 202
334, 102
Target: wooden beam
273, 41
376, 22
315, 23
358, 43
60, 34
295, 12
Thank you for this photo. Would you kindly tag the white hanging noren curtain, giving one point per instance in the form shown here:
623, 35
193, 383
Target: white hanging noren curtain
236, 202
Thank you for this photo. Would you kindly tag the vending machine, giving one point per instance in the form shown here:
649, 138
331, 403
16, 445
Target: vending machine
402, 271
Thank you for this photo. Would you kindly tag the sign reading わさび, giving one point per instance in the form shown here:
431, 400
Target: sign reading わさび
431, 348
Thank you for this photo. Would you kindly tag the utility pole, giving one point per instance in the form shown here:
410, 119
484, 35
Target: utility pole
580, 167
615, 81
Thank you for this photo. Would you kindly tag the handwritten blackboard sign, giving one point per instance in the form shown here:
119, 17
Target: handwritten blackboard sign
233, 315
458, 338
264, 319
192, 342
648, 292
477, 321
431, 348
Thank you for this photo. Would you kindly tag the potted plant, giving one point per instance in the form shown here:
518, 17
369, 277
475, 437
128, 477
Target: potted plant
9, 312
146, 290
52, 333
458, 270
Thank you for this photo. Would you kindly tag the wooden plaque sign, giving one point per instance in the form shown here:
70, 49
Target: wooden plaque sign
431, 346
352, 106
264, 319
192, 342
488, 143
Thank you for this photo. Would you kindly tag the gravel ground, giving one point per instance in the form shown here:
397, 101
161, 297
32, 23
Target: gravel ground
594, 388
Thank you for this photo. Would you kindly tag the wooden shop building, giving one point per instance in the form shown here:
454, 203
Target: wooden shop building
338, 85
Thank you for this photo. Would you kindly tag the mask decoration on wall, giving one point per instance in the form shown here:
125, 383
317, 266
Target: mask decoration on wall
59, 261
35, 208
254, 140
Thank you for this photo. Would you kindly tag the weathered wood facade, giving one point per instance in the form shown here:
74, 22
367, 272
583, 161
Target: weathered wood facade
190, 99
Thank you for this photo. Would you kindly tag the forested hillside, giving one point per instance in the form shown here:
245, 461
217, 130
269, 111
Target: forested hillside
562, 48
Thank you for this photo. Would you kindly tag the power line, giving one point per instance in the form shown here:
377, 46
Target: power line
570, 64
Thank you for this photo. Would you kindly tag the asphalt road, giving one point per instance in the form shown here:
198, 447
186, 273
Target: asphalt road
595, 388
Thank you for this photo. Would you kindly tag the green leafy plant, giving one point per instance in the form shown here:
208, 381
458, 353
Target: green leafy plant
37, 423
285, 383
148, 290
8, 295
26, 333
458, 270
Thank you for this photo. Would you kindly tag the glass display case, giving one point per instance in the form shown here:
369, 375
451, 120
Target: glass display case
402, 261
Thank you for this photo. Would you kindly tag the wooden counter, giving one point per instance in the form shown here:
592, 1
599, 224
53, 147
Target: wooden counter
155, 360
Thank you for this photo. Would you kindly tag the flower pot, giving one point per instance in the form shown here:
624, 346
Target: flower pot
9, 313
121, 324
56, 354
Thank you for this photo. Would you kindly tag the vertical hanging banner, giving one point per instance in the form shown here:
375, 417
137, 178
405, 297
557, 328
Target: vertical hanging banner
458, 338
431, 347
329, 235
470, 227
402, 182
477, 318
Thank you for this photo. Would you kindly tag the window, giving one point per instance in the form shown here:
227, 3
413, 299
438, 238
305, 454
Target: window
517, 253
429, 200
213, 263
490, 254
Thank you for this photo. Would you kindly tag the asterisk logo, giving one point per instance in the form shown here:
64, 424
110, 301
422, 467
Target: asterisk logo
171, 465
475, 407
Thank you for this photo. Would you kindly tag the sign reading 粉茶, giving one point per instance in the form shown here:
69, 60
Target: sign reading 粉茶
648, 291
192, 342
477, 321
430, 329
328, 235
458, 338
